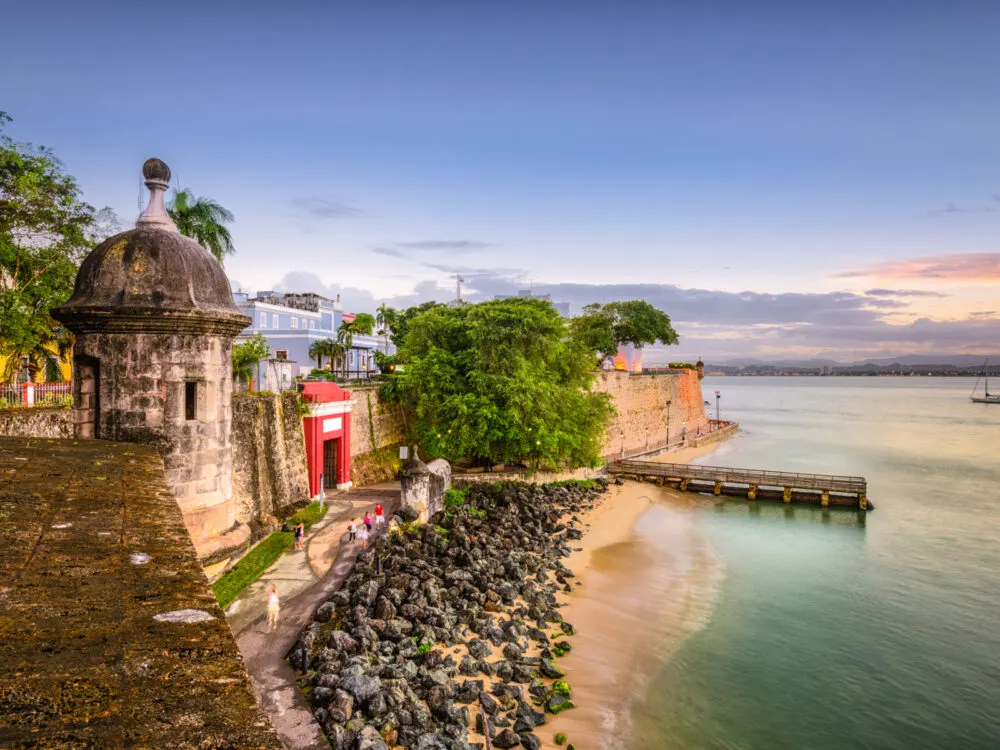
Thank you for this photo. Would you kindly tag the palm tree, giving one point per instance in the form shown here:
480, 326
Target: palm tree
385, 317
203, 220
320, 349
337, 350
345, 339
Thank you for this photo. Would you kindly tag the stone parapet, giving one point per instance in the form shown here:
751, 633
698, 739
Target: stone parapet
109, 633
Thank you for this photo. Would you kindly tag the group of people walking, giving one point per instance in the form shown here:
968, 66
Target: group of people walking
361, 533
355, 533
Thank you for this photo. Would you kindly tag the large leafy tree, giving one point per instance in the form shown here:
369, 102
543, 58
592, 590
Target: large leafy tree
401, 323
204, 221
46, 229
603, 328
500, 381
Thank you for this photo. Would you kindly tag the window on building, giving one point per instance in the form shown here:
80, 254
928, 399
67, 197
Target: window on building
295, 322
274, 320
281, 354
263, 320
190, 400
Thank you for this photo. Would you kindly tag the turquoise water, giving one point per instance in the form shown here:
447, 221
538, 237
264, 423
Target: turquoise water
835, 630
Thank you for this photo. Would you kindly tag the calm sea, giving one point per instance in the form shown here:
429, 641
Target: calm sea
829, 629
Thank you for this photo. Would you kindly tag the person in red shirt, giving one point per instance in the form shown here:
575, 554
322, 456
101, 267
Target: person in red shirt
379, 518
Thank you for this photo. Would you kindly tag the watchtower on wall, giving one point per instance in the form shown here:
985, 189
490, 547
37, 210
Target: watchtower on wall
154, 320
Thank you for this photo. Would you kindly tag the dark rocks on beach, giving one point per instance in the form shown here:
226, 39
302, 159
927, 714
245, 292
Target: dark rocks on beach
550, 670
506, 739
480, 576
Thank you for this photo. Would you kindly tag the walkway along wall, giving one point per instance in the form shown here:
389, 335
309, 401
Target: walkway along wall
642, 412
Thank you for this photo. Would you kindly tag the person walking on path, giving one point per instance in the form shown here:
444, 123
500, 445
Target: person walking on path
368, 521
300, 532
363, 536
379, 518
352, 531
273, 607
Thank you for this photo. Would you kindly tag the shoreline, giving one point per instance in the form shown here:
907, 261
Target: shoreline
616, 622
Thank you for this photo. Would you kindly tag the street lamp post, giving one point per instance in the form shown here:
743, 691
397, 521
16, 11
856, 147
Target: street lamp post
669, 401
717, 397
647, 438
684, 431
623, 443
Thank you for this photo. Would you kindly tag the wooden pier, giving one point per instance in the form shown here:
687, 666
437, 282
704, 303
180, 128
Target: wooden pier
818, 489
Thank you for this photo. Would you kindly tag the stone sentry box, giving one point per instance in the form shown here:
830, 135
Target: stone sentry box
154, 320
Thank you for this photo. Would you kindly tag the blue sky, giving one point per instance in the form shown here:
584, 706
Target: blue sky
755, 167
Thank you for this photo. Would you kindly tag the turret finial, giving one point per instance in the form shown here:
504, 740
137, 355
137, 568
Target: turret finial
157, 175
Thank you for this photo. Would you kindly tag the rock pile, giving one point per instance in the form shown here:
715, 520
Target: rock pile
434, 633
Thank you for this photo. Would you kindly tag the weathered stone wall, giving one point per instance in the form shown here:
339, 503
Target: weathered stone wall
642, 412
376, 432
269, 455
424, 485
110, 639
37, 422
132, 387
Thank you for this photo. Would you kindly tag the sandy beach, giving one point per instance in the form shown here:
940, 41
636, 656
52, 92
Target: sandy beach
635, 603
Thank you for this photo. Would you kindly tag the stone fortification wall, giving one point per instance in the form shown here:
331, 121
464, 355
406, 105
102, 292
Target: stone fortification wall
269, 455
376, 432
36, 422
110, 639
642, 412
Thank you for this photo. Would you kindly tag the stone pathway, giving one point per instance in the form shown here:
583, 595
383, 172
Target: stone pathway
304, 581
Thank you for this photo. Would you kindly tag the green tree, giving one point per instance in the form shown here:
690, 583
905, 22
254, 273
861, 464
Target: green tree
320, 349
501, 381
363, 323
246, 355
402, 321
203, 220
46, 229
385, 319
603, 328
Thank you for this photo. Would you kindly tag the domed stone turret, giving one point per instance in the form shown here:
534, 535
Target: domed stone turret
700, 367
154, 319
152, 278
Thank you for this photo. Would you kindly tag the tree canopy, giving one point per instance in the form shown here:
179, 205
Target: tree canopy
204, 221
603, 328
46, 229
500, 380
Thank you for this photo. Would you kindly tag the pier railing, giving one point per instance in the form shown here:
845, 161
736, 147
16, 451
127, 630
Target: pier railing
793, 485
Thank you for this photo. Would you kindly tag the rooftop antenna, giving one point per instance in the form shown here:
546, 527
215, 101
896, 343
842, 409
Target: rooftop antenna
458, 286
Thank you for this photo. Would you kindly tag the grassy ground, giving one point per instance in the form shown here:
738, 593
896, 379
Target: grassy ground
261, 557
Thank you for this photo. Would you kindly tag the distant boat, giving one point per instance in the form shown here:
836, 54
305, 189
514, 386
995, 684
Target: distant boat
987, 397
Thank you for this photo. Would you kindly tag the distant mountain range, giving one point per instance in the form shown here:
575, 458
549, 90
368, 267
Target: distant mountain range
958, 360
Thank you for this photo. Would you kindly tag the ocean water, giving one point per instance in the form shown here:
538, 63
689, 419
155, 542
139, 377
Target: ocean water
831, 629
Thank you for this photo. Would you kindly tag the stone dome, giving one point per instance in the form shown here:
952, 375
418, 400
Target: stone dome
152, 278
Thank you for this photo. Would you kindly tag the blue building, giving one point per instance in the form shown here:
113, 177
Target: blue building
292, 322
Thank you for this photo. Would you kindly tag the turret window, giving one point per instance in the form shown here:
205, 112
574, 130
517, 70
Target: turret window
190, 400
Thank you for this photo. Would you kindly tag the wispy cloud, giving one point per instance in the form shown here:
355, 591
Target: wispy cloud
902, 293
324, 208
451, 246
413, 250
983, 267
392, 252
